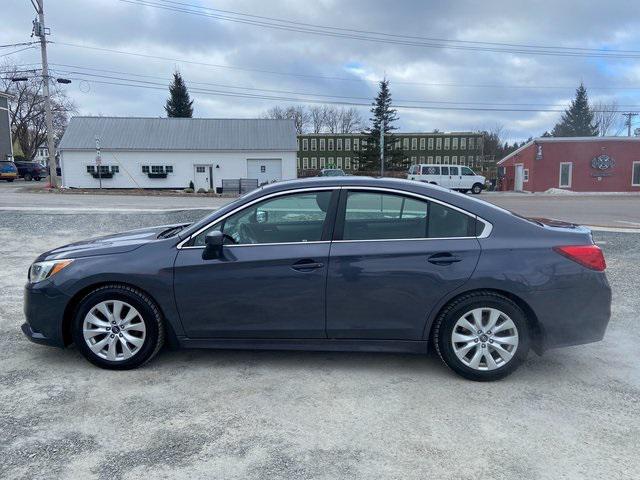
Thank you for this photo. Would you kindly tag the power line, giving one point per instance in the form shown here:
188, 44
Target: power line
321, 30
287, 92
17, 51
325, 77
385, 34
222, 93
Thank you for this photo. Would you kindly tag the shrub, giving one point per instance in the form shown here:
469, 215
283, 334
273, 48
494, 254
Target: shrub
202, 190
192, 186
188, 190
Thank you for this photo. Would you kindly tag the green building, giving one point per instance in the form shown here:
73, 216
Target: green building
340, 150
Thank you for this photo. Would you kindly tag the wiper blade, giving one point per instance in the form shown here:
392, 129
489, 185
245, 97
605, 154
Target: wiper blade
170, 232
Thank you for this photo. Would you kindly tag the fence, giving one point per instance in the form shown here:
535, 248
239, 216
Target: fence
238, 186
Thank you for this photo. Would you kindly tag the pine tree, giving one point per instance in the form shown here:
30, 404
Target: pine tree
578, 119
178, 104
382, 114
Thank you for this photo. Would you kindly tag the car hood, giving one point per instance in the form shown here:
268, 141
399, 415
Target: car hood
110, 244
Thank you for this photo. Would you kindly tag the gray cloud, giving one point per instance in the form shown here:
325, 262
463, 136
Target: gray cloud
117, 25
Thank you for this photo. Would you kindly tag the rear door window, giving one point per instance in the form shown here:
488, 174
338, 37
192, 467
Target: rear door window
445, 170
388, 216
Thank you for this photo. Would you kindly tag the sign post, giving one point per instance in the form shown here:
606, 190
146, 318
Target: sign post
98, 161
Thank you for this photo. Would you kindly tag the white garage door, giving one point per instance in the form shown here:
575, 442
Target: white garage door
266, 170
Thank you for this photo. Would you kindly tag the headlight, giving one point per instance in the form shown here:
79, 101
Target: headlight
42, 270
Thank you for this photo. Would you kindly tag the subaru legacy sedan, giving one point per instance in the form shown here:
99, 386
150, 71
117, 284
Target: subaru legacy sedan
340, 264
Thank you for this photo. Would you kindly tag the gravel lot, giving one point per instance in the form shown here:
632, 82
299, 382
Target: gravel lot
573, 413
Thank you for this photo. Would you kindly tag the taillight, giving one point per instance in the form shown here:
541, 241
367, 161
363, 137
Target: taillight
589, 256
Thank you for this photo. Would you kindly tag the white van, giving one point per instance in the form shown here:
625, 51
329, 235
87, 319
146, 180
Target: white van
455, 177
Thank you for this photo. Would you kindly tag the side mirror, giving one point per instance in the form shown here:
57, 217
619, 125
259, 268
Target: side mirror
214, 240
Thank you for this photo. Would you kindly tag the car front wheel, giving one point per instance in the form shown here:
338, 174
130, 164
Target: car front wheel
118, 327
27, 177
482, 336
476, 189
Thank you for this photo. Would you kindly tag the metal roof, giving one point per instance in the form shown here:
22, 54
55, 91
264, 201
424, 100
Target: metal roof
199, 134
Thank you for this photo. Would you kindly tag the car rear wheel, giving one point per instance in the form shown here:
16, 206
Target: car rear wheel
476, 189
482, 336
118, 327
27, 177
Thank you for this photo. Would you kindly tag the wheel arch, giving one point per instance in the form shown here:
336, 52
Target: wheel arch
72, 306
535, 328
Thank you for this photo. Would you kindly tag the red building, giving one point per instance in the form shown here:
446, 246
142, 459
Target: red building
583, 164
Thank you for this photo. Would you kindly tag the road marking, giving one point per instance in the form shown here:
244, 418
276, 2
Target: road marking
598, 228
628, 223
76, 210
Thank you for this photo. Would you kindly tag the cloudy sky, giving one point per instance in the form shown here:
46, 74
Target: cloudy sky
221, 58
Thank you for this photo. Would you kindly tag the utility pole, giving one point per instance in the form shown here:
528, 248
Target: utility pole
99, 161
382, 148
39, 30
629, 116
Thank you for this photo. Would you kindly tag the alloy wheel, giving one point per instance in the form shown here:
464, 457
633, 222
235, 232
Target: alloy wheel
485, 339
114, 330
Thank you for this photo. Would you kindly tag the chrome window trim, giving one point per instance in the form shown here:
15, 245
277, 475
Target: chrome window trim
181, 245
486, 231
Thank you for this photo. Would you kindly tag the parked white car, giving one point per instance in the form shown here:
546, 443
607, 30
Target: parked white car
455, 177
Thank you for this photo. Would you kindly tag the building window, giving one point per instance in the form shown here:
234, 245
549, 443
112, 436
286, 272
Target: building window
454, 160
446, 160
422, 143
566, 169
339, 162
414, 143
364, 143
339, 144
430, 143
91, 169
314, 162
396, 144
145, 168
438, 159
314, 144
347, 163
635, 174
472, 143
305, 144
454, 146
355, 164
297, 161
439, 143
421, 158
305, 163
330, 163
356, 144
430, 159
347, 144
330, 143
405, 143
463, 143
322, 144
463, 160
297, 143
525, 175
323, 162
479, 143
168, 168
115, 169
447, 143
413, 160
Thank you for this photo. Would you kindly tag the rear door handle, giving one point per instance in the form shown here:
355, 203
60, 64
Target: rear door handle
443, 258
306, 265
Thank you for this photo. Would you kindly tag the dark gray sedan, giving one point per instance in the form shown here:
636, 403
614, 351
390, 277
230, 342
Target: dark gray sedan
342, 263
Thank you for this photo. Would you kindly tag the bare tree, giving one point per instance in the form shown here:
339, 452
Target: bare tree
332, 119
318, 117
26, 110
350, 120
607, 116
297, 113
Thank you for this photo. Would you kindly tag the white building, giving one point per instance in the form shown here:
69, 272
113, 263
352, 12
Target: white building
172, 152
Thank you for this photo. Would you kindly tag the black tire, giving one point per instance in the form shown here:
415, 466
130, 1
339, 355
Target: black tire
27, 177
10, 180
149, 312
445, 323
476, 189
37, 179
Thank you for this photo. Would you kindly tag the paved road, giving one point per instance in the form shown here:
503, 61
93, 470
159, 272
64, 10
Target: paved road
573, 413
618, 211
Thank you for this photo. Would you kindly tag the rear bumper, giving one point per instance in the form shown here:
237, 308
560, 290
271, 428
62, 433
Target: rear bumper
8, 176
44, 307
574, 316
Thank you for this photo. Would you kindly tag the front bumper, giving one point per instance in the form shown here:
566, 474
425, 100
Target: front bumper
44, 307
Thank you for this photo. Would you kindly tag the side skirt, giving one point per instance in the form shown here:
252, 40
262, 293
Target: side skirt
327, 345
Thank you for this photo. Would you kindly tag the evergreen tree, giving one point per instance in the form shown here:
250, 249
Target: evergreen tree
578, 119
178, 104
382, 114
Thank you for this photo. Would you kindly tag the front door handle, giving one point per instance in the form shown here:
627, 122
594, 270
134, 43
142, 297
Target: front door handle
306, 265
444, 258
